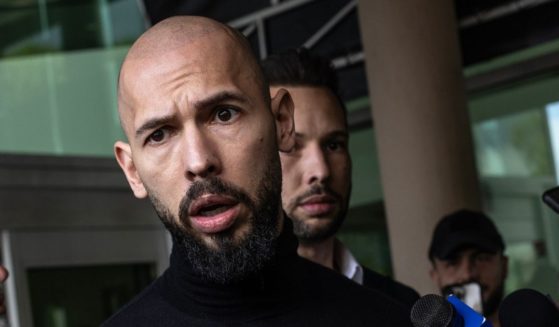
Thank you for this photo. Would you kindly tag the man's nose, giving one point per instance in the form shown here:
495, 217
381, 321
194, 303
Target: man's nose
200, 156
468, 270
315, 164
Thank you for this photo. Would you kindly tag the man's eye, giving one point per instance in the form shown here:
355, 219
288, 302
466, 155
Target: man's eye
157, 136
484, 257
335, 146
451, 262
226, 114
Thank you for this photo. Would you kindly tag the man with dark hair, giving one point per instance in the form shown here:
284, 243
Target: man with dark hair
467, 249
317, 173
203, 142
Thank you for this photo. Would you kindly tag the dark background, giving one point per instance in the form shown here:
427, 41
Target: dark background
487, 28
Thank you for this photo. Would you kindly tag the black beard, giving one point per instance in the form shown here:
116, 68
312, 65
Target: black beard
234, 259
492, 304
308, 235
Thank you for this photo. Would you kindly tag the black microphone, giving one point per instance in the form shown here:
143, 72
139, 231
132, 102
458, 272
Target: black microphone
527, 307
434, 311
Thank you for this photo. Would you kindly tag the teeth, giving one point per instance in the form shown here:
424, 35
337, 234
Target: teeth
213, 210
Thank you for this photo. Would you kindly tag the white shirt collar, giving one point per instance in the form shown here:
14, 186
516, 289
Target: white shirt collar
346, 263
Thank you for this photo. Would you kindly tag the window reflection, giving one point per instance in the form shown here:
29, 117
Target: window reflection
30, 27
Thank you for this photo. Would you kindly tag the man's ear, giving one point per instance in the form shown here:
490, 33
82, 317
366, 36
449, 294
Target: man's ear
123, 155
282, 109
434, 274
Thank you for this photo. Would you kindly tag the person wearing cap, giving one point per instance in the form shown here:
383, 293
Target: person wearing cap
467, 248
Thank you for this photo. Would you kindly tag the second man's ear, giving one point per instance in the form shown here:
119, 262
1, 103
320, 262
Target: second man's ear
283, 109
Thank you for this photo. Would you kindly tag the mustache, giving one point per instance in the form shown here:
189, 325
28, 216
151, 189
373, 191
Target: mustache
317, 190
212, 185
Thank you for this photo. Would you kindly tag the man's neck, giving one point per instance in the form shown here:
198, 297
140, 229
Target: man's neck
320, 252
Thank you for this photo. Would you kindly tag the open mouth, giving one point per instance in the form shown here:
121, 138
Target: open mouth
213, 210
213, 213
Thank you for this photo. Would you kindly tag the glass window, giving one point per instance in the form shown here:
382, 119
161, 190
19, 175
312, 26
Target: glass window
40, 26
515, 156
513, 145
59, 62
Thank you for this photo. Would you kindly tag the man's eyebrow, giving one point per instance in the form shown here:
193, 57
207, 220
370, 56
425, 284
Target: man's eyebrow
339, 133
336, 133
153, 123
208, 102
221, 97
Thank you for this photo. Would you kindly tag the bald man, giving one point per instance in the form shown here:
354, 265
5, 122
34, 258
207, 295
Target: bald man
203, 141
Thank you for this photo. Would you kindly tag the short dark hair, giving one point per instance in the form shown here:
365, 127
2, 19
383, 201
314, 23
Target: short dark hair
299, 67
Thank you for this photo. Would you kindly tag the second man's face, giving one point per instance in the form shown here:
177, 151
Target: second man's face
317, 173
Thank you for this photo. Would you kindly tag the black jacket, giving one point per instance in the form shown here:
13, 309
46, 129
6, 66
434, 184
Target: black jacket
396, 290
291, 291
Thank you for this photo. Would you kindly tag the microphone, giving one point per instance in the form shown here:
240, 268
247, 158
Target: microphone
527, 307
434, 311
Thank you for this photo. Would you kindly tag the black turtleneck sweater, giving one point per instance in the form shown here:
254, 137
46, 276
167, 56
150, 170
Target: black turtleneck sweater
290, 292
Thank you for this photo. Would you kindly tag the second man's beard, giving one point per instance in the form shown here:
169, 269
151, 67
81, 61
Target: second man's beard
308, 234
491, 305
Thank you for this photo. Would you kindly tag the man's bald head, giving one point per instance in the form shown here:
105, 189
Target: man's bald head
203, 142
182, 33
176, 32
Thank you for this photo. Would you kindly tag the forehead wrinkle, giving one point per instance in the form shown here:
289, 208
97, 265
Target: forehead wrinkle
175, 85
221, 97
186, 37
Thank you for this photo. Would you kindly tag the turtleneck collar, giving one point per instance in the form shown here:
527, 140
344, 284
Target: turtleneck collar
267, 290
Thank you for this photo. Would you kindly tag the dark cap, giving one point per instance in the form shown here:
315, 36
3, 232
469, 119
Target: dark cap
464, 228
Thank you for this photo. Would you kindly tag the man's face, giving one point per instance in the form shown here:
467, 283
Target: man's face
472, 265
203, 147
317, 173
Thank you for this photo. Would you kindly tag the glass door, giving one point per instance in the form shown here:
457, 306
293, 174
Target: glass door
79, 277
